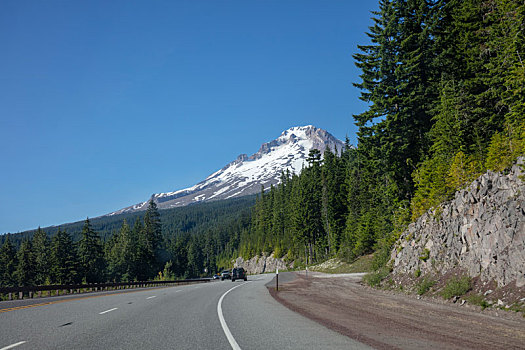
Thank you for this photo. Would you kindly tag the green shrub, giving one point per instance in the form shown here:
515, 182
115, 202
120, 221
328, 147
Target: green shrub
477, 299
425, 285
426, 255
456, 286
518, 307
417, 273
506, 146
374, 278
381, 257
278, 252
484, 304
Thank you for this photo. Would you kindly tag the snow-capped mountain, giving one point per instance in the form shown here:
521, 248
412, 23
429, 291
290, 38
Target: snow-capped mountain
245, 175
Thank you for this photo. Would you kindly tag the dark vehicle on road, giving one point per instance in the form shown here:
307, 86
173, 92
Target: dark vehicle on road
225, 274
238, 273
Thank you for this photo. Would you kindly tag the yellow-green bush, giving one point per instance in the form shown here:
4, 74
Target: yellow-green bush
505, 147
438, 178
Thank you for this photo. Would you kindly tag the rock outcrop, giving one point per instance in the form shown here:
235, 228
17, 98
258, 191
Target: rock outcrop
262, 264
481, 231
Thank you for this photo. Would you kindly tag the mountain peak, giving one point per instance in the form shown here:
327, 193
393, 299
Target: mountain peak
306, 137
300, 129
303, 132
245, 175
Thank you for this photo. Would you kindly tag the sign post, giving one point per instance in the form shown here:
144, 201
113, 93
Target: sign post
277, 279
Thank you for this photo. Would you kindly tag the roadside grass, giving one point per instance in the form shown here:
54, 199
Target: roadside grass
477, 299
361, 264
518, 307
373, 279
456, 286
424, 285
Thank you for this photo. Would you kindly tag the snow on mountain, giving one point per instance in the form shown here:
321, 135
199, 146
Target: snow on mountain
245, 175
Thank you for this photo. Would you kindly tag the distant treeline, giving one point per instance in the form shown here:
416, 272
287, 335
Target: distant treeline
196, 217
176, 243
445, 85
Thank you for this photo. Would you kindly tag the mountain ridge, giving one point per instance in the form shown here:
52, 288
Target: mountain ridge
246, 174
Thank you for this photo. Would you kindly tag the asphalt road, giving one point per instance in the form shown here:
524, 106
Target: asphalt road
199, 316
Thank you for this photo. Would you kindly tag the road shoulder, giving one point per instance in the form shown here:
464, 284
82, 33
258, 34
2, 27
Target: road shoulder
385, 320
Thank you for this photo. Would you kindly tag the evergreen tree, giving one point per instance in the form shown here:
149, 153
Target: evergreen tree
41, 257
151, 238
25, 271
195, 258
179, 253
334, 199
112, 257
140, 265
121, 254
91, 255
64, 259
7, 264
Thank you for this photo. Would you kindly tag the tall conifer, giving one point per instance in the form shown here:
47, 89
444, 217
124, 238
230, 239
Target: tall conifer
25, 271
64, 259
42, 257
7, 263
91, 255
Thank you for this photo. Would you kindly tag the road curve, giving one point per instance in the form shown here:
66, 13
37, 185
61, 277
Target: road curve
180, 317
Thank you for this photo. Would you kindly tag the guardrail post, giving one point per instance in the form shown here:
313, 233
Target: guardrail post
20, 295
58, 292
40, 294
30, 295
10, 296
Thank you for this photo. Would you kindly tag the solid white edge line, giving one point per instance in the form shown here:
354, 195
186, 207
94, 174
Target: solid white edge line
103, 312
151, 297
225, 328
13, 345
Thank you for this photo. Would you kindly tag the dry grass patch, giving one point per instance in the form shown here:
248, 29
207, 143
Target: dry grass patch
362, 264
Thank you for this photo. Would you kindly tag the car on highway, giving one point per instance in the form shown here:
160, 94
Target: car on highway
239, 273
226, 274
216, 276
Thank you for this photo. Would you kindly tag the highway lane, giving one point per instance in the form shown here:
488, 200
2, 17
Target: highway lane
259, 322
21, 303
181, 317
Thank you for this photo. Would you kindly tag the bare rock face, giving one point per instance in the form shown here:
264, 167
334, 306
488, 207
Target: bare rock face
481, 231
262, 264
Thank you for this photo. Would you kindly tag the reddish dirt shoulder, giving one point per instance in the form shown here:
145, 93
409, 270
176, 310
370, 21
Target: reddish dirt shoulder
395, 321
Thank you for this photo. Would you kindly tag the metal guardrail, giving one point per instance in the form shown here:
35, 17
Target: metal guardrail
92, 287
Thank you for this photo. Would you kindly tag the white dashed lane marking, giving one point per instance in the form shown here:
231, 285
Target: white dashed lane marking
104, 312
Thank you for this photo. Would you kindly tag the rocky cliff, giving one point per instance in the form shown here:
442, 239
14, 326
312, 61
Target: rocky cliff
481, 231
262, 264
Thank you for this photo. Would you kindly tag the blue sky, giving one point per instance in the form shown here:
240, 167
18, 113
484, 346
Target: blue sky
103, 103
